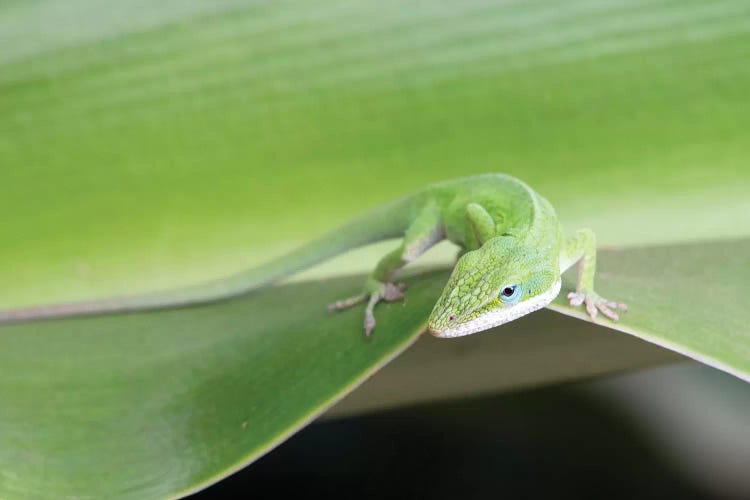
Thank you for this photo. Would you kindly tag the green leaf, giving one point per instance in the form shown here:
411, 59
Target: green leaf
151, 404
160, 403
687, 298
146, 146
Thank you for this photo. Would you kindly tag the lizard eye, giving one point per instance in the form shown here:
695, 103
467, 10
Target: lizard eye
510, 294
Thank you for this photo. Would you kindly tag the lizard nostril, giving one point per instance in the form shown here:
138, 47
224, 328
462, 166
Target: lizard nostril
451, 318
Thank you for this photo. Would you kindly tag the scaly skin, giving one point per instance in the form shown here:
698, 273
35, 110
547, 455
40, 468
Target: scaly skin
510, 240
509, 236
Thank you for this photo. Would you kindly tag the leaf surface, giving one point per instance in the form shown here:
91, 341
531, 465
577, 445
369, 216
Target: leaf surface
146, 146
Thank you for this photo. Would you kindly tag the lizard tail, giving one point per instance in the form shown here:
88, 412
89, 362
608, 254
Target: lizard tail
388, 221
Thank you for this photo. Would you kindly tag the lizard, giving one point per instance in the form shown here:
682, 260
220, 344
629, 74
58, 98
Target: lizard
512, 254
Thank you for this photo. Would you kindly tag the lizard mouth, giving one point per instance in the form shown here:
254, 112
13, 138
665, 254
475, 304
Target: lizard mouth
497, 317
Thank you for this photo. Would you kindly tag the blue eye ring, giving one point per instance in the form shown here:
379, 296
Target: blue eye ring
510, 294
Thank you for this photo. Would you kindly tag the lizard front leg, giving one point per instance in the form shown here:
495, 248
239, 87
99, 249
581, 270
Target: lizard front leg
581, 248
425, 231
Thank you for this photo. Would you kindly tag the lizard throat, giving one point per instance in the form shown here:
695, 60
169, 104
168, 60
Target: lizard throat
498, 317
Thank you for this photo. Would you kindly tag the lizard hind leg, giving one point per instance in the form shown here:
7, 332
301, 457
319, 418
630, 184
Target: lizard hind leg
424, 232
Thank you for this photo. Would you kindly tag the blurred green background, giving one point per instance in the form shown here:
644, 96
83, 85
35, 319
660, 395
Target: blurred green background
145, 145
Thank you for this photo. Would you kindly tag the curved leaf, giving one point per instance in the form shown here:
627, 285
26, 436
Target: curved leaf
152, 404
688, 298
152, 146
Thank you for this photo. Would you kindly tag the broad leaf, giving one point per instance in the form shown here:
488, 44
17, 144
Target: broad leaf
146, 146
152, 404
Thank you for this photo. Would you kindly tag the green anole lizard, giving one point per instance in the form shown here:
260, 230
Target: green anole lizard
512, 255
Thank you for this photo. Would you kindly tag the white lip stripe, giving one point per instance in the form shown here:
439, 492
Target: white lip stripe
504, 315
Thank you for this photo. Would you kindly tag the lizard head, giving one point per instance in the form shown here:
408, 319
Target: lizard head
501, 281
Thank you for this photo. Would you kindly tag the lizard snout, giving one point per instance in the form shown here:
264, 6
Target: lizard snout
436, 326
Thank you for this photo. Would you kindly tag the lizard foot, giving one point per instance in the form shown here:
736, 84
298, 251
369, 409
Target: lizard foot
595, 303
375, 292
393, 292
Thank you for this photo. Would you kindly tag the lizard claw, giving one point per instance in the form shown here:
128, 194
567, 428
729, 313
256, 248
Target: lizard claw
595, 304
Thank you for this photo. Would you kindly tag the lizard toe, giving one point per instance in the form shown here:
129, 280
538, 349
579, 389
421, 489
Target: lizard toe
605, 310
595, 304
576, 298
369, 323
592, 309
